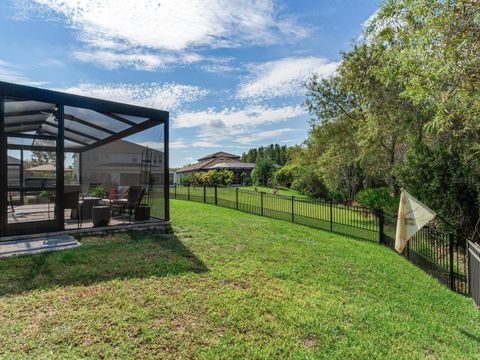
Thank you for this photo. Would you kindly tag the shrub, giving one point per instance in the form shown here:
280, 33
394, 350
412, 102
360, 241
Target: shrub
338, 197
209, 178
263, 171
226, 177
286, 175
376, 198
100, 191
309, 182
186, 180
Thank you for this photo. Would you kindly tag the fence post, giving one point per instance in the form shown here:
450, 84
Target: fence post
204, 193
188, 193
175, 187
216, 199
380, 225
331, 215
451, 239
469, 269
236, 198
261, 202
293, 208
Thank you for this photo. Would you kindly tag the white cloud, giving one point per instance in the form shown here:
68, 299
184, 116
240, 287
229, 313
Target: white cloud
268, 134
13, 73
166, 27
180, 143
137, 60
284, 77
168, 96
205, 144
232, 117
232, 123
218, 65
364, 37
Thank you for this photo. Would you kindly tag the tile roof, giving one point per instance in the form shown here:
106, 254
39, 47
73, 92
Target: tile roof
220, 162
219, 154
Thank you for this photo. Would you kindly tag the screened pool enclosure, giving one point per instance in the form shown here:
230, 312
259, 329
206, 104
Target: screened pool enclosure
74, 162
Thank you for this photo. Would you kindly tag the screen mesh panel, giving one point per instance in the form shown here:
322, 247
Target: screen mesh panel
102, 150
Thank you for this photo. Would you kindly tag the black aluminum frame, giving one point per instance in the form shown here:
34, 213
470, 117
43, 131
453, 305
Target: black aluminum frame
108, 108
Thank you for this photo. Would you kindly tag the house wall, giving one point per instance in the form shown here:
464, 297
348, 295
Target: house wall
116, 164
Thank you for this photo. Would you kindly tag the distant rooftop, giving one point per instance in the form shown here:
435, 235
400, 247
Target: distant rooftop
233, 165
219, 154
218, 160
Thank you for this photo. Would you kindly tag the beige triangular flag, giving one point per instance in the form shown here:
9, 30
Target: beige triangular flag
412, 216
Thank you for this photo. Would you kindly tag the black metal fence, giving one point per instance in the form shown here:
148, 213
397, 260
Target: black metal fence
436, 248
353, 221
473, 253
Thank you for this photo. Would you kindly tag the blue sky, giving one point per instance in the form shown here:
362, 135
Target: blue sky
231, 73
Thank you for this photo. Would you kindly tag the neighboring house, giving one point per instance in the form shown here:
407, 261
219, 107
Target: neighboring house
218, 161
117, 164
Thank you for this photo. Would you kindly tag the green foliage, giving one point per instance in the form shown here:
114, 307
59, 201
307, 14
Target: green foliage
208, 178
255, 177
276, 153
402, 110
226, 177
43, 158
286, 175
440, 176
46, 194
310, 183
263, 171
338, 197
100, 191
70, 177
186, 180
376, 198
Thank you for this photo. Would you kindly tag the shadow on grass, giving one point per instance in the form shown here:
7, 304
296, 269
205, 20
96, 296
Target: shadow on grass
470, 335
125, 255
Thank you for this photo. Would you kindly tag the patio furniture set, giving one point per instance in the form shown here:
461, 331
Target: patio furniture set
122, 202
61, 127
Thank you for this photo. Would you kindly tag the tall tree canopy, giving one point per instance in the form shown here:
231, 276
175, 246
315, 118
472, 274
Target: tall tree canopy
402, 109
274, 152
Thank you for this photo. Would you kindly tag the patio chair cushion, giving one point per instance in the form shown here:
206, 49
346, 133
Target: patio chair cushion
119, 201
113, 194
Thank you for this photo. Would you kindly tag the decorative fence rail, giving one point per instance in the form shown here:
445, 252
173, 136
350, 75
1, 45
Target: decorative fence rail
436, 248
353, 221
473, 253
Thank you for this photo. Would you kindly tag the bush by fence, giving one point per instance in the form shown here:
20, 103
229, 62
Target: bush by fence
435, 248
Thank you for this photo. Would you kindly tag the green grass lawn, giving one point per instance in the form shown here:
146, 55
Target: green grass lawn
227, 284
353, 221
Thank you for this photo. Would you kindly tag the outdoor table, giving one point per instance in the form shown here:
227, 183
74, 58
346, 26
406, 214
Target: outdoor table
100, 215
86, 206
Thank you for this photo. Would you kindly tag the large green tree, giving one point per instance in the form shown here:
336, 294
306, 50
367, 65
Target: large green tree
274, 152
402, 109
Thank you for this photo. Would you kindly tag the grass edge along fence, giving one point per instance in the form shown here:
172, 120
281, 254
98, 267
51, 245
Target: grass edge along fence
435, 249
